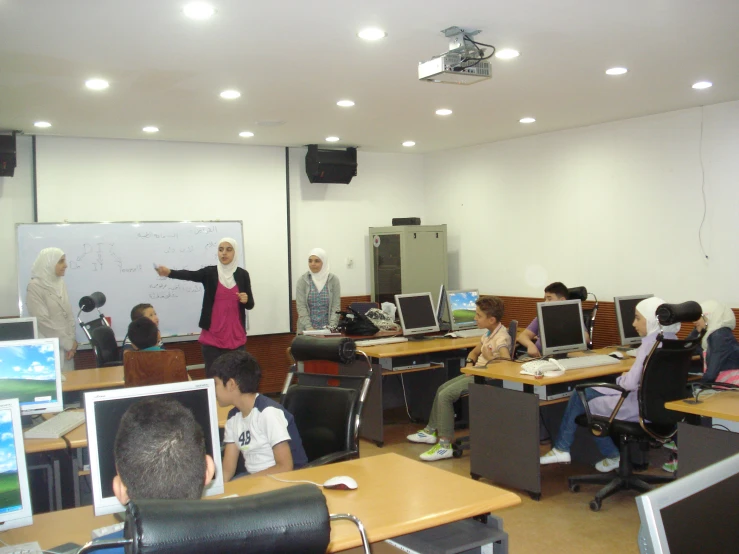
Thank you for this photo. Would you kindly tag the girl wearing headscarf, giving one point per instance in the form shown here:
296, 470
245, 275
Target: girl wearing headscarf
47, 300
602, 401
226, 297
720, 348
318, 297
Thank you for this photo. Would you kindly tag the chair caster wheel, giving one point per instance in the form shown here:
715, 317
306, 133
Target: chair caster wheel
574, 488
595, 505
475, 476
535, 496
457, 453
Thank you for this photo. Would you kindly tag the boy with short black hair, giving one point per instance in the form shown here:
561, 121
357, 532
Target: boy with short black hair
144, 310
258, 427
494, 345
144, 334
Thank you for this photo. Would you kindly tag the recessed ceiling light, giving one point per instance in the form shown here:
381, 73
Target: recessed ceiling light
42, 124
444, 111
230, 94
371, 33
198, 10
332, 139
616, 71
345, 103
700, 85
409, 143
507, 54
150, 129
526, 120
246, 134
97, 84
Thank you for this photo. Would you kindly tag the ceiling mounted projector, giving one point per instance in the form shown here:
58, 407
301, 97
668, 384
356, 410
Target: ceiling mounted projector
464, 64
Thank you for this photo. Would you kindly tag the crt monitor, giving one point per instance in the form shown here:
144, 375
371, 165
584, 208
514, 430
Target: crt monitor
625, 312
15, 498
18, 328
462, 308
31, 371
416, 312
561, 327
103, 412
692, 514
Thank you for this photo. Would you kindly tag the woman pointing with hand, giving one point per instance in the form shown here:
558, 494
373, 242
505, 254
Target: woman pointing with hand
226, 297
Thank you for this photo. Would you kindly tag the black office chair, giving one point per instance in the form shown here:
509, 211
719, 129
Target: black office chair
463, 443
107, 353
588, 314
293, 520
327, 416
664, 378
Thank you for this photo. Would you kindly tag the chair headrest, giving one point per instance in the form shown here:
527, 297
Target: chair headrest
577, 293
669, 314
89, 303
341, 350
290, 520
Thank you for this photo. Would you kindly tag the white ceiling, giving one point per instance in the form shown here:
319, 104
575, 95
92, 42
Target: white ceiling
292, 60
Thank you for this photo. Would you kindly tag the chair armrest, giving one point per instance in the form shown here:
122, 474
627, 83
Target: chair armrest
580, 389
620, 389
333, 457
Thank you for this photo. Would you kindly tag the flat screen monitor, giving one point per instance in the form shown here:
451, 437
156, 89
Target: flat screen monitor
18, 328
462, 308
442, 317
692, 514
103, 412
31, 371
416, 312
15, 498
625, 312
561, 327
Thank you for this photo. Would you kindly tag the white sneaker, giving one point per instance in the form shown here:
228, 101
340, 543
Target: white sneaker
555, 456
423, 437
608, 464
437, 452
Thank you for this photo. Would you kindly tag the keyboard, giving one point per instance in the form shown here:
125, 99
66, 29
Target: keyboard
25, 548
375, 342
539, 367
467, 333
57, 426
632, 352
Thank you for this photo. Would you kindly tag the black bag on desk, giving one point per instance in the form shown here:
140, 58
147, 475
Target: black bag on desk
355, 323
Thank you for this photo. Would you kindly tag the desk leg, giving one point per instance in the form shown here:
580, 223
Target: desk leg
49, 480
58, 484
699, 447
504, 437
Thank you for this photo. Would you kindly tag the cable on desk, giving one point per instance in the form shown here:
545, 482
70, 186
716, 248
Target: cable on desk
405, 398
718, 426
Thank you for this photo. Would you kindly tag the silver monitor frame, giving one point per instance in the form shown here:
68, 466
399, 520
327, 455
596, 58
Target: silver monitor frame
455, 325
13, 320
555, 350
23, 516
632, 341
416, 330
42, 406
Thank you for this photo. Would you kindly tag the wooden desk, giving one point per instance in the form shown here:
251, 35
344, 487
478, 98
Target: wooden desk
504, 423
722, 405
413, 347
393, 499
93, 379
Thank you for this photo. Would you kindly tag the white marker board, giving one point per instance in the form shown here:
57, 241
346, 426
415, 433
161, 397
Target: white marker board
118, 260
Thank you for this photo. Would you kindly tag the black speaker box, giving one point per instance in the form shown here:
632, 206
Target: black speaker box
406, 221
7, 155
330, 166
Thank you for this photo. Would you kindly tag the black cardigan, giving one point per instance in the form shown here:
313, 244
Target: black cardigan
208, 276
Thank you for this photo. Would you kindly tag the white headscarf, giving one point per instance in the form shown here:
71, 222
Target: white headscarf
648, 309
320, 278
44, 270
717, 316
226, 271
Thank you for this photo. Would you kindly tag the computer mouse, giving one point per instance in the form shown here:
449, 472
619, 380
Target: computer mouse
616, 355
341, 483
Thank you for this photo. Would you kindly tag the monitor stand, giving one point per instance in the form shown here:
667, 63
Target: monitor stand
558, 356
413, 338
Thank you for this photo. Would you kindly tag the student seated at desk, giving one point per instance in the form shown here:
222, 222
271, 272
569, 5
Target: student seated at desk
258, 427
144, 334
720, 348
602, 401
494, 345
142, 310
529, 337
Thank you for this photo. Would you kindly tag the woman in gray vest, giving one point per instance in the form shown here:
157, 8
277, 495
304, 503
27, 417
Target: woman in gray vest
318, 294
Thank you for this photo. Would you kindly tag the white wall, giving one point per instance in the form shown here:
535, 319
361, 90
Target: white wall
16, 206
337, 217
615, 207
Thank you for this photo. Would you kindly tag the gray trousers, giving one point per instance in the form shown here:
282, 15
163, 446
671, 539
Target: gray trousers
442, 412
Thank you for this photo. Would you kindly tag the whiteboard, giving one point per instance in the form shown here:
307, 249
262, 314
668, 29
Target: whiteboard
118, 260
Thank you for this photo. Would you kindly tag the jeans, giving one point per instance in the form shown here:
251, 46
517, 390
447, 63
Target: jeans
442, 412
568, 427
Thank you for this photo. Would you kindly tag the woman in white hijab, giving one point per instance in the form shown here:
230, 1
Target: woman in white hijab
720, 348
318, 294
226, 297
602, 401
48, 302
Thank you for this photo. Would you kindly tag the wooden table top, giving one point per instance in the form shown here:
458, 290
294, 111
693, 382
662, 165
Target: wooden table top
393, 499
93, 379
412, 348
722, 405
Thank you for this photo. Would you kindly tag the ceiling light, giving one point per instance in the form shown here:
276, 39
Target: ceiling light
345, 103
332, 139
150, 129
198, 10
409, 143
526, 120
507, 54
371, 33
42, 124
230, 94
444, 111
700, 85
97, 84
246, 134
616, 71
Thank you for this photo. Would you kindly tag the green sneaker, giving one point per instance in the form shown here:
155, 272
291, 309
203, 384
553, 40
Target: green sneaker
670, 445
437, 452
671, 466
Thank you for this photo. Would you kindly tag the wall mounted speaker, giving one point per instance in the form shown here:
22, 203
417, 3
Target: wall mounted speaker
330, 166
